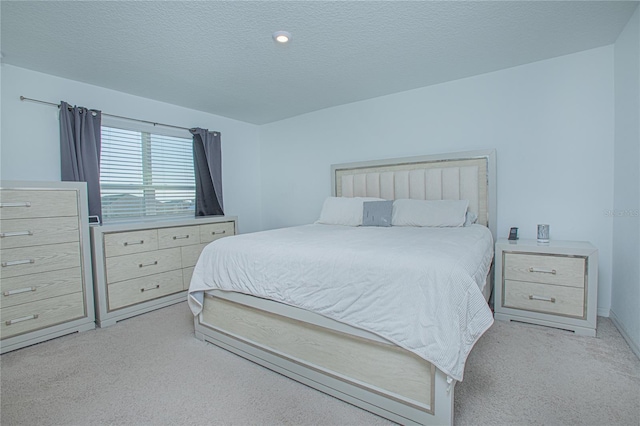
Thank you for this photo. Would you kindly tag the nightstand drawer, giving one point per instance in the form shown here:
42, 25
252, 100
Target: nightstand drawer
121, 243
558, 270
139, 290
546, 298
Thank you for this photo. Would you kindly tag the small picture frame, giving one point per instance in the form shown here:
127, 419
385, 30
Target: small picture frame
543, 233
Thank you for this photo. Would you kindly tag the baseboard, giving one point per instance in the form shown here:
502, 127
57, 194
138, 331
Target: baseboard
602, 312
633, 345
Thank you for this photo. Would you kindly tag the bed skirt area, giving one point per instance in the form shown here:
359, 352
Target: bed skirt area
351, 364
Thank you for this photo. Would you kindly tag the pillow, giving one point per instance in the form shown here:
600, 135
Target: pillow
429, 212
343, 210
377, 213
470, 218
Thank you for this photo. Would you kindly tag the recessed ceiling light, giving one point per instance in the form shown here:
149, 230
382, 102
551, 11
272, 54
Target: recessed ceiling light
282, 36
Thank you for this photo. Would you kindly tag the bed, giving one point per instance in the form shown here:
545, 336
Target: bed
381, 363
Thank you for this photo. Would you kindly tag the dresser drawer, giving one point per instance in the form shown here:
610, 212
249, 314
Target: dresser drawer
546, 298
121, 268
187, 273
559, 270
131, 292
25, 204
121, 243
40, 314
31, 232
214, 231
33, 260
25, 289
190, 254
178, 237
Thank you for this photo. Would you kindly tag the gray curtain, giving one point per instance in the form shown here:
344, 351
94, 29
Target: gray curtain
80, 151
207, 161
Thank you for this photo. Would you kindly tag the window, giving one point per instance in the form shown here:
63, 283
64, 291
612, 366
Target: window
145, 175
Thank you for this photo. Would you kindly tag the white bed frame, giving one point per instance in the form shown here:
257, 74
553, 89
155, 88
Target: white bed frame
351, 364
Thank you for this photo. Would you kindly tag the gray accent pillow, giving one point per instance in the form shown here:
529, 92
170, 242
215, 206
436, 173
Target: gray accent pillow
377, 213
470, 218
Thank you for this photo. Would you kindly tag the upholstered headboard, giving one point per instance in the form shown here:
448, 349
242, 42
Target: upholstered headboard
458, 176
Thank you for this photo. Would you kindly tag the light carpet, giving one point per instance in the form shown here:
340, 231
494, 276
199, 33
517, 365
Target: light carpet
150, 370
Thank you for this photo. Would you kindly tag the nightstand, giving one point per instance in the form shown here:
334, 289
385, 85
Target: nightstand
553, 284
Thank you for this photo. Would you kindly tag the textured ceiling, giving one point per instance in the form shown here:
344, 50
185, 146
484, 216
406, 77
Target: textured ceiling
218, 56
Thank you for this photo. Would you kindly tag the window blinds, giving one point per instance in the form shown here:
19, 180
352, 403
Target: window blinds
145, 175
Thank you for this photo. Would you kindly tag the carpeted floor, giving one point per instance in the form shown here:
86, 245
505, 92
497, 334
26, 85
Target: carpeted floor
151, 370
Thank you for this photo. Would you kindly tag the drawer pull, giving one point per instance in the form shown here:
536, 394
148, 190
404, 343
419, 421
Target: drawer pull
219, 233
157, 286
180, 237
18, 262
15, 234
542, 271
131, 243
17, 320
142, 265
544, 299
20, 290
22, 204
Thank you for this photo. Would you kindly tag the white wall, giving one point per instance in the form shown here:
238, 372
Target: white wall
551, 123
625, 295
30, 134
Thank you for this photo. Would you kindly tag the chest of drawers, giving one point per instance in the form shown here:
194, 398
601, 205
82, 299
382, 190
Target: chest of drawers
552, 284
145, 266
45, 275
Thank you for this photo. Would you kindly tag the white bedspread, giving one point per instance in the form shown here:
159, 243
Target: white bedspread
419, 288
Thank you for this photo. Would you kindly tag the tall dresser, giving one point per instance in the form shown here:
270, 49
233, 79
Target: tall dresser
46, 286
139, 267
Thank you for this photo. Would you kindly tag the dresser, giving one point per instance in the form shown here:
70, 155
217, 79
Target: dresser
46, 286
145, 266
553, 284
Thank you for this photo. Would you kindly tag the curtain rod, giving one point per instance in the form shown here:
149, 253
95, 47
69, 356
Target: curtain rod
23, 98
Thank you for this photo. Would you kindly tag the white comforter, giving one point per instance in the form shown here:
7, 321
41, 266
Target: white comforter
419, 288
